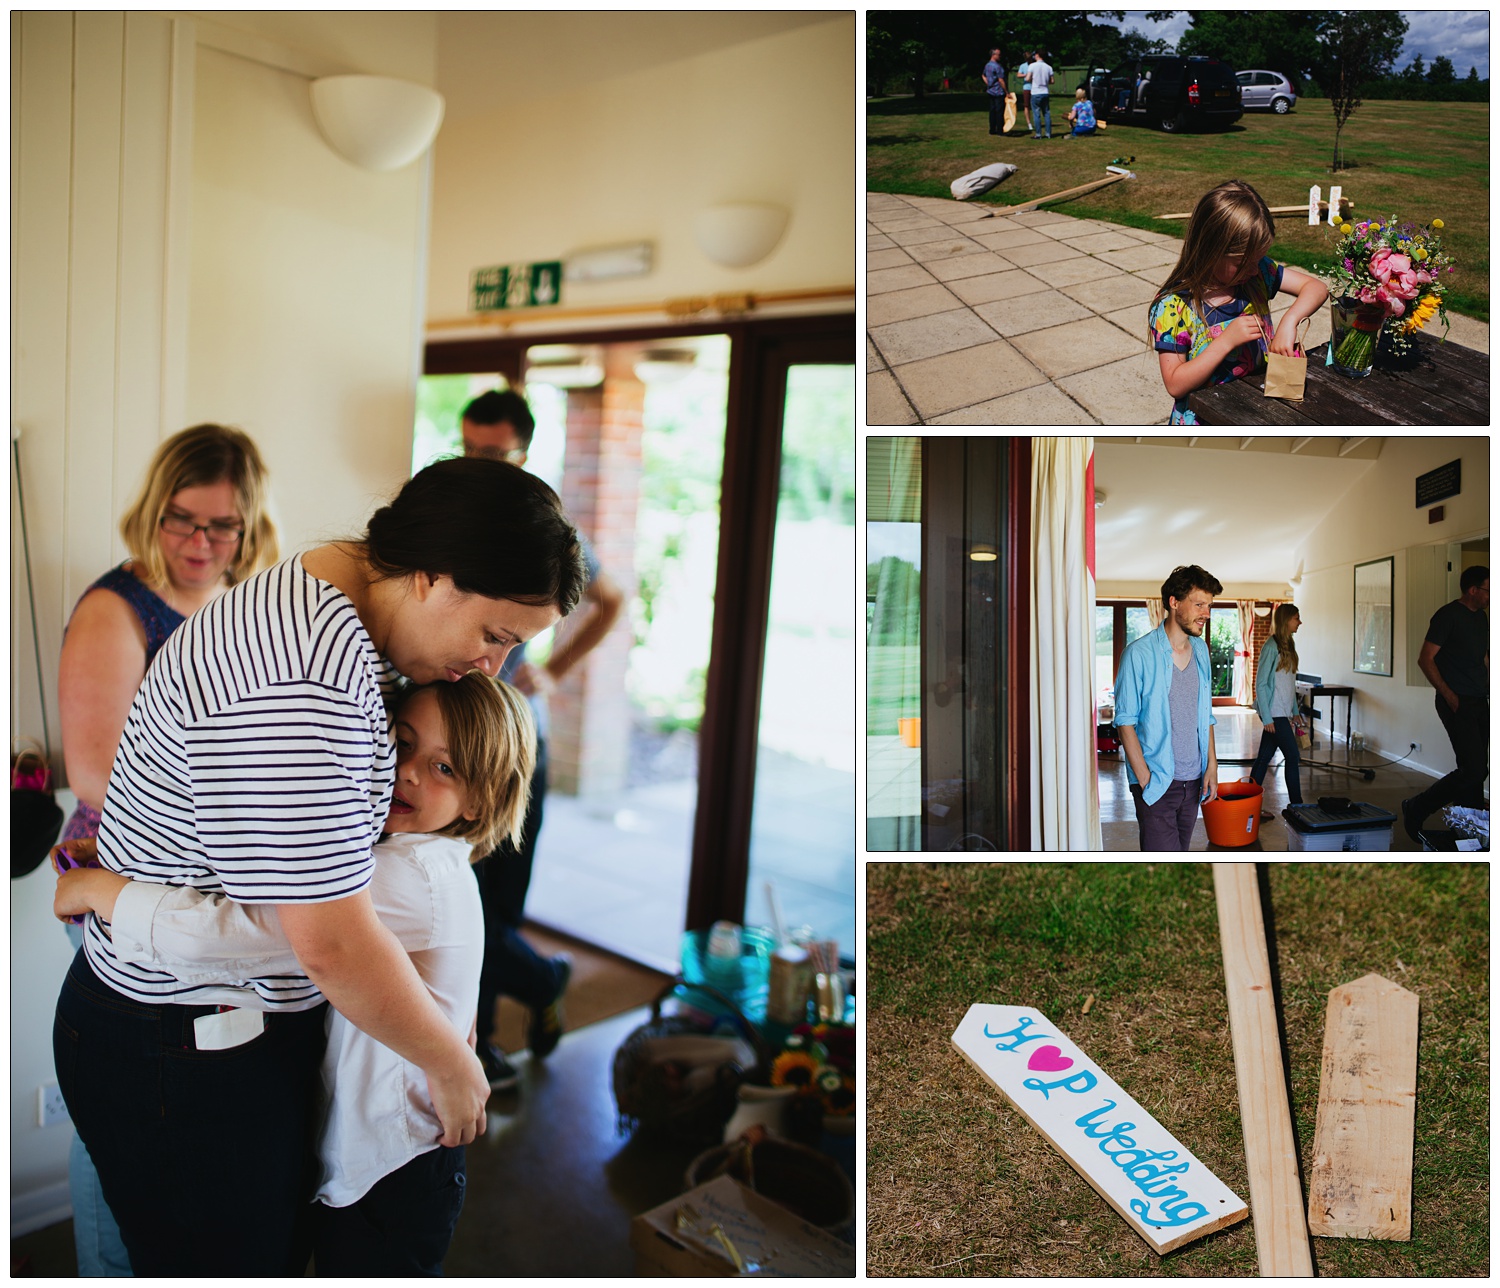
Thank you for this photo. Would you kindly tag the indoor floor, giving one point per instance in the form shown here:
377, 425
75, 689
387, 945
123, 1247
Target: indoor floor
1237, 738
552, 1189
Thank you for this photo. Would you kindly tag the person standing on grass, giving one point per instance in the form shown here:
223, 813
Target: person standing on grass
1455, 658
1164, 711
1276, 701
994, 90
1039, 74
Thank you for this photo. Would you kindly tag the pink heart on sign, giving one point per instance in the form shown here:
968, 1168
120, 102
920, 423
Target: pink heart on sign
1049, 1059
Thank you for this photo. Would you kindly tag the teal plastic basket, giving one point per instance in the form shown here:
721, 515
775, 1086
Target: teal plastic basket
747, 980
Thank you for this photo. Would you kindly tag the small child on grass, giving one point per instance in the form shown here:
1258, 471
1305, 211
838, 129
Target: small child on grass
1081, 115
1211, 321
389, 1194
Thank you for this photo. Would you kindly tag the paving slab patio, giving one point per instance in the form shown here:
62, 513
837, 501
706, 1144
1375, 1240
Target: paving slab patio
976, 317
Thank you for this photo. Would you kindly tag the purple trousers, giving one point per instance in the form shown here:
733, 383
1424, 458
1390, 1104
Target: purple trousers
1168, 824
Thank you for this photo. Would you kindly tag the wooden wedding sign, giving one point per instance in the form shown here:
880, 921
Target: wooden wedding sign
1165, 1194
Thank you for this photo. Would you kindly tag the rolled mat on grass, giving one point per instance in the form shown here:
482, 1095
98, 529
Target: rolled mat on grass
602, 985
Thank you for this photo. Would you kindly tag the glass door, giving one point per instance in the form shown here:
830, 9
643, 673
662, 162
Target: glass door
802, 834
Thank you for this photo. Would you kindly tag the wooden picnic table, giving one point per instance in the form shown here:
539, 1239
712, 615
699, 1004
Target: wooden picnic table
1451, 386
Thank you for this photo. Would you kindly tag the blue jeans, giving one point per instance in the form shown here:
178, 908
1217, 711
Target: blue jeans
96, 1237
1285, 737
205, 1157
1041, 110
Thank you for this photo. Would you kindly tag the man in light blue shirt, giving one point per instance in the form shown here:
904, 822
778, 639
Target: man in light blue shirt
1164, 712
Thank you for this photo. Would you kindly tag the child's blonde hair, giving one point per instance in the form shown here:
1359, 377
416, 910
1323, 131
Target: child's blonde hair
491, 740
1228, 220
1079, 94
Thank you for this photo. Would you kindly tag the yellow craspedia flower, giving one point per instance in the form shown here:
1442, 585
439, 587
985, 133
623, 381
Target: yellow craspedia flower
1437, 223
1346, 229
1421, 252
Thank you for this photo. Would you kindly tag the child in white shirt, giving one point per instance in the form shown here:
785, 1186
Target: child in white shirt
390, 1194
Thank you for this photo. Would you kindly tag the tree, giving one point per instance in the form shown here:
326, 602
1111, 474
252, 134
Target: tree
1415, 70
916, 41
1276, 40
1353, 47
1472, 78
1442, 73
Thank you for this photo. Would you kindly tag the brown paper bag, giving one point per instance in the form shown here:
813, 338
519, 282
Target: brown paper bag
1287, 377
1010, 113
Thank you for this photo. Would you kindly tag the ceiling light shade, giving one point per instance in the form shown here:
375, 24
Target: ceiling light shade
376, 122
983, 552
565, 366
740, 233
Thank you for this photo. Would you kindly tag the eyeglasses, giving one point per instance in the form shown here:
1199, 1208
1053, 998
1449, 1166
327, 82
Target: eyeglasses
219, 534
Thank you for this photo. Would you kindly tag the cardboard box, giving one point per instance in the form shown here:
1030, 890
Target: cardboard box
772, 1242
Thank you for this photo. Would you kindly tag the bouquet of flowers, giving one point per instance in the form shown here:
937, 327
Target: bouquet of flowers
1393, 268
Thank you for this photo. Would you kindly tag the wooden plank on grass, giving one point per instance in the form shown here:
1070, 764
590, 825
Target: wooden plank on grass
1156, 1183
1360, 1183
1281, 1243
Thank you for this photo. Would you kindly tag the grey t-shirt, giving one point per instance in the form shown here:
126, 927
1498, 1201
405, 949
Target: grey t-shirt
1183, 705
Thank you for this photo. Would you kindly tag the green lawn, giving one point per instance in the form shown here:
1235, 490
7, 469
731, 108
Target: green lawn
1419, 161
959, 1183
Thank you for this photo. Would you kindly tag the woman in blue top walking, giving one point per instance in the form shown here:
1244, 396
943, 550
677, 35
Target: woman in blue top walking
1276, 701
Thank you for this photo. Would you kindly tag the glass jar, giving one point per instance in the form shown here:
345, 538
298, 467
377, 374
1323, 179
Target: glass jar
1356, 332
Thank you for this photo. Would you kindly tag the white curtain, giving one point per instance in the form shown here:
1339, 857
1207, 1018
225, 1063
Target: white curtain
1064, 748
1155, 612
1244, 678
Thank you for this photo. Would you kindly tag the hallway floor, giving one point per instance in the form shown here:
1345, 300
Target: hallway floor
1237, 737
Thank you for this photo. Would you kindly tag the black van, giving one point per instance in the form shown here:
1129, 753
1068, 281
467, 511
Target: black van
1168, 93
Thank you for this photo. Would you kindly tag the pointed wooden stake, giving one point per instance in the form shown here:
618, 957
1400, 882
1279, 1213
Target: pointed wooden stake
1360, 1183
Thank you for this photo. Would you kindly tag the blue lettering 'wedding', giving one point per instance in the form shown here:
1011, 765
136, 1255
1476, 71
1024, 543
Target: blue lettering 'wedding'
1085, 1081
1017, 1033
1140, 1166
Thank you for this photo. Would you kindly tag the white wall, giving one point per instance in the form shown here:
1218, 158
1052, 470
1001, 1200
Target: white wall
1378, 518
767, 120
184, 248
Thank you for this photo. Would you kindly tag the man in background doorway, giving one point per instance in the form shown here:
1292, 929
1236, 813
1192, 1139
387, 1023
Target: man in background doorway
499, 425
994, 89
1455, 658
1164, 712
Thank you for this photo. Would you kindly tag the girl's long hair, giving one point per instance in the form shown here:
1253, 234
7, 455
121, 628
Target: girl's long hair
1281, 632
1228, 220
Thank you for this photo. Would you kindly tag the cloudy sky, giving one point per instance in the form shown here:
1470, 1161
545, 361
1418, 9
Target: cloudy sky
1462, 34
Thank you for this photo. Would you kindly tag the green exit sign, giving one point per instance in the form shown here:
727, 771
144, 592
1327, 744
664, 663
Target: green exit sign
517, 286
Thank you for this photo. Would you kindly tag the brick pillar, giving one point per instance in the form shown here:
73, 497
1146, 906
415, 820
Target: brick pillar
589, 750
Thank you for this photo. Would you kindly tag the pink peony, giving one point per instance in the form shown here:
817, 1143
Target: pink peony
1367, 295
1391, 301
1423, 276
1384, 263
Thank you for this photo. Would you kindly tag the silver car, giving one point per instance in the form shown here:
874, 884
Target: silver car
1266, 89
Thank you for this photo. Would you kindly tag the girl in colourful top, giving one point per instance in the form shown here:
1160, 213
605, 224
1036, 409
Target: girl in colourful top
1082, 115
1211, 321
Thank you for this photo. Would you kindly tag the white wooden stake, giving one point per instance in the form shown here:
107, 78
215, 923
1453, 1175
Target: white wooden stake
1334, 193
1314, 215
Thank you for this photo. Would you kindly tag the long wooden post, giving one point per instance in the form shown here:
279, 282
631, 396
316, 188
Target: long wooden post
1281, 1242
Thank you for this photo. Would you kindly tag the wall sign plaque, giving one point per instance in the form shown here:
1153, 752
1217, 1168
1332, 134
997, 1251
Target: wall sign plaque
1440, 484
1151, 1179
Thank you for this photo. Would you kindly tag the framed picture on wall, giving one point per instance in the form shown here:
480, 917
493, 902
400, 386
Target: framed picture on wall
1373, 613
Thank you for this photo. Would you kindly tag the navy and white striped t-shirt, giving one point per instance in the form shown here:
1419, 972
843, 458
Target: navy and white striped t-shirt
257, 760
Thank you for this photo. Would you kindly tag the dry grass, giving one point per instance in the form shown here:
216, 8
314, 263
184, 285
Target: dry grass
959, 1184
1419, 161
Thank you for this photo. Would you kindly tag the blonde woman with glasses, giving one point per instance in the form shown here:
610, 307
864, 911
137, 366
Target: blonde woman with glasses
198, 525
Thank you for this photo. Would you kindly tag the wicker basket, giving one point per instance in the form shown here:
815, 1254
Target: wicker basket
649, 1096
806, 1182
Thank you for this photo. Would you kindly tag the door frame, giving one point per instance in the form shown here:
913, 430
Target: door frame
761, 352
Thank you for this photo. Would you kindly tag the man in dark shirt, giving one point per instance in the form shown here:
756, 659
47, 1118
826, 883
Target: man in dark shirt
1456, 659
994, 89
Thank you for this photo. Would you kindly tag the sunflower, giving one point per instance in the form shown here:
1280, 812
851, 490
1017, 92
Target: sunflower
1421, 315
794, 1069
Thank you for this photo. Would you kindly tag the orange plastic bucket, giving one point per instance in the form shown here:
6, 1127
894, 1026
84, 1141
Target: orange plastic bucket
1233, 818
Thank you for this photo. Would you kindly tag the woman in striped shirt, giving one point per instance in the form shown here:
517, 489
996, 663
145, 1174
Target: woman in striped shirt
257, 761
